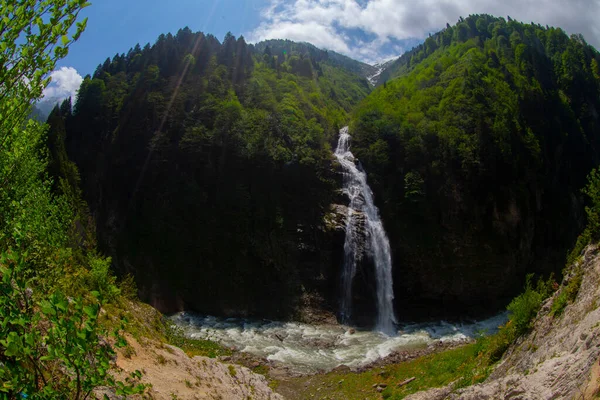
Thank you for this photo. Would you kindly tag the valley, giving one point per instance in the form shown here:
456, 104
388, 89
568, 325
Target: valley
223, 219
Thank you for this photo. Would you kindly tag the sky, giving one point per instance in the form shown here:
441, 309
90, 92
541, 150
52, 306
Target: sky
367, 30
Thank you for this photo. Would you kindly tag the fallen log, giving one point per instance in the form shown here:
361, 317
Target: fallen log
406, 382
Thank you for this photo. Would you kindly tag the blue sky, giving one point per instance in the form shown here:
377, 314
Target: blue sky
367, 30
114, 26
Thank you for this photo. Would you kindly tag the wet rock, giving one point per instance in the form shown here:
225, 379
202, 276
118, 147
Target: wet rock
341, 369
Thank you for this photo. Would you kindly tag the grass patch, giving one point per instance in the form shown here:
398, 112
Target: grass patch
463, 366
232, 370
466, 364
261, 369
195, 347
567, 295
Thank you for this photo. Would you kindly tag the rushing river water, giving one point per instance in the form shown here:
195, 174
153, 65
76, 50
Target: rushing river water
309, 348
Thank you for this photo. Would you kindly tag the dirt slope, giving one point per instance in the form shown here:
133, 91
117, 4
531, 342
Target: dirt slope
174, 375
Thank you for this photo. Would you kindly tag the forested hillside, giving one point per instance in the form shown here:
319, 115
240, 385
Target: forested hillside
477, 153
207, 167
280, 48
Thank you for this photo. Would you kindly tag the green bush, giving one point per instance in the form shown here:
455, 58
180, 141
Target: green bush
592, 229
524, 308
53, 346
567, 295
522, 311
99, 278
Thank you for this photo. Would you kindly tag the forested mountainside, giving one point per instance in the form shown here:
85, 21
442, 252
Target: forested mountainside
280, 47
207, 166
209, 171
477, 153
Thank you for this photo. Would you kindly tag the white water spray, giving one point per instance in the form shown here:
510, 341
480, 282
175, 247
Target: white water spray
361, 204
308, 348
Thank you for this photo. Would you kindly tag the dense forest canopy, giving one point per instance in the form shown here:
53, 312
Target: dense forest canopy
202, 161
208, 165
282, 47
478, 151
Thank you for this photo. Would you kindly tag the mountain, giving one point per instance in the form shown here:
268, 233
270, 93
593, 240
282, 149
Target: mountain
42, 109
380, 68
477, 152
207, 166
281, 47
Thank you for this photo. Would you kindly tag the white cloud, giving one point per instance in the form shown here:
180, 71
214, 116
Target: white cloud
65, 83
323, 22
318, 34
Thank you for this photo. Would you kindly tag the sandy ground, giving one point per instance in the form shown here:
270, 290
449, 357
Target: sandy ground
174, 375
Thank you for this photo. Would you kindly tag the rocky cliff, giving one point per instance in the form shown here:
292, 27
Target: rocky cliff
558, 359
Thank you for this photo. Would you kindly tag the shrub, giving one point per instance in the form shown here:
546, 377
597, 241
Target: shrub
52, 346
567, 295
100, 279
524, 308
592, 229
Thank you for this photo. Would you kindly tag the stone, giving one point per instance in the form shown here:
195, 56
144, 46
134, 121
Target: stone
565, 351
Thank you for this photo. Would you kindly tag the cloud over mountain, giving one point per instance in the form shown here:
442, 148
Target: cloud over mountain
65, 83
375, 29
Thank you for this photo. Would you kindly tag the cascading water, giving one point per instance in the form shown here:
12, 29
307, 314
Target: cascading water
306, 348
362, 208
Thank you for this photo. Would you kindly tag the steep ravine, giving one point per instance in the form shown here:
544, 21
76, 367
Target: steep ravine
558, 359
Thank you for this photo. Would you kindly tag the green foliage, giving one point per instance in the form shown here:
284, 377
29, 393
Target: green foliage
194, 347
413, 186
590, 234
522, 311
464, 366
99, 278
568, 294
211, 165
285, 49
31, 217
592, 230
53, 286
53, 346
523, 308
29, 51
481, 125
232, 370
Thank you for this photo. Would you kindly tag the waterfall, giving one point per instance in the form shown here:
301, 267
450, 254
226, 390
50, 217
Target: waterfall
362, 210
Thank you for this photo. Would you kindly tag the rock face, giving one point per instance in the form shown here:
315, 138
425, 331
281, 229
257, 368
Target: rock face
557, 360
173, 374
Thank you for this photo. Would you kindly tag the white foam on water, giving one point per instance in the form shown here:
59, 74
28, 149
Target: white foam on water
306, 348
